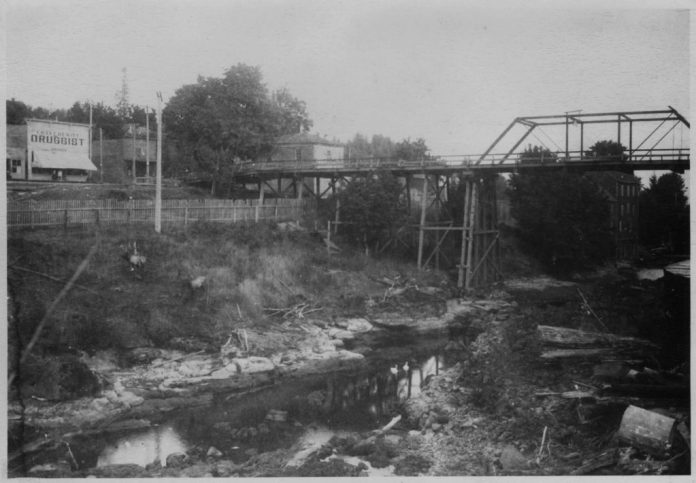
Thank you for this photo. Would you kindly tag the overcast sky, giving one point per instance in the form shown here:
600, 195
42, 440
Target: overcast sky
452, 72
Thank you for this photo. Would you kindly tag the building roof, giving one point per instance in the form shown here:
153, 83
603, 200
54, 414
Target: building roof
305, 138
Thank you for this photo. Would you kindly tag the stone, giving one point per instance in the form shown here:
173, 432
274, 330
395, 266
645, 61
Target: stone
436, 426
356, 325
338, 343
119, 471
176, 460
342, 334
61, 469
394, 439
214, 452
511, 458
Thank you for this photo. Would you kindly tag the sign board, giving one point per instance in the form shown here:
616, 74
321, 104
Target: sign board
58, 137
58, 145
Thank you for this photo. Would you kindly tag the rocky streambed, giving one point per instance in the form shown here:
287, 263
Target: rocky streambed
211, 413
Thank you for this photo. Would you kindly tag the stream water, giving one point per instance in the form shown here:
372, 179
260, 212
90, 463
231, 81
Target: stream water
308, 410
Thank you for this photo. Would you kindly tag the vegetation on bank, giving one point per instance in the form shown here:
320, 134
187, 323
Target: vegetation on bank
248, 273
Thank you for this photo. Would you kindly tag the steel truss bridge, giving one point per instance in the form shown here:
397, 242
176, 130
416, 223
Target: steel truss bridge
478, 260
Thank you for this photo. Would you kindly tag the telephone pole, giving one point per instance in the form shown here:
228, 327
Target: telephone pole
158, 183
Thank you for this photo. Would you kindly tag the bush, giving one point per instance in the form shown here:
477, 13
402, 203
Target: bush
372, 209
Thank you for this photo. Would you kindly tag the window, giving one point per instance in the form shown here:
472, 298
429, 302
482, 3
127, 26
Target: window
15, 165
298, 154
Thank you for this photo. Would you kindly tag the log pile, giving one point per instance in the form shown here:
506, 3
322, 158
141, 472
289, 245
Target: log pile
561, 344
653, 405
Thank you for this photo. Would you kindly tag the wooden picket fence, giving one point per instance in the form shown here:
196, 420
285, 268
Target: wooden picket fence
174, 212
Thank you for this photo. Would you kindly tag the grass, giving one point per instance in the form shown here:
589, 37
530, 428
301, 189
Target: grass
247, 269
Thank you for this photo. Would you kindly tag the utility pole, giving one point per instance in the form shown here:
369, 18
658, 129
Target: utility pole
90, 131
134, 153
158, 183
147, 142
101, 155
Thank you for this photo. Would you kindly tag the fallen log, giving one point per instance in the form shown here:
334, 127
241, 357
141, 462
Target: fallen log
648, 390
647, 430
606, 354
602, 460
574, 338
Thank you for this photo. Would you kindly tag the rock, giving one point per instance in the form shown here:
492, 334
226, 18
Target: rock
54, 470
223, 426
176, 460
341, 334
142, 355
195, 367
118, 471
225, 468
338, 343
355, 325
250, 365
214, 452
512, 459
436, 426
277, 415
59, 378
394, 439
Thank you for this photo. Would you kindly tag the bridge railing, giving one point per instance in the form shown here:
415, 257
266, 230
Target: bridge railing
637, 156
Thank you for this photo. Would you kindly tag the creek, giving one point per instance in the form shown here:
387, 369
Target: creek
307, 410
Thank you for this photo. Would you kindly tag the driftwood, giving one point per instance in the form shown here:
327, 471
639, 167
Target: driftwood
593, 354
606, 458
647, 430
574, 338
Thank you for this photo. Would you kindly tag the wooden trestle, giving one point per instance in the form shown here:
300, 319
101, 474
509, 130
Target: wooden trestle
464, 238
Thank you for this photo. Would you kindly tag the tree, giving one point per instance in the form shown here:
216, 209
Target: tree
563, 219
537, 155
377, 147
373, 208
607, 149
664, 213
17, 112
412, 150
222, 120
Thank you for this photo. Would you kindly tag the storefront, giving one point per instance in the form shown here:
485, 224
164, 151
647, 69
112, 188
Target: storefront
48, 151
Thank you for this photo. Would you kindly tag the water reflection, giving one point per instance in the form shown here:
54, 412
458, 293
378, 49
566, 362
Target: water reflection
143, 448
234, 425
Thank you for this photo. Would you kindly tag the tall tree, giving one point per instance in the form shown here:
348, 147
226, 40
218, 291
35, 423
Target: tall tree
220, 120
17, 112
607, 149
412, 150
563, 218
664, 213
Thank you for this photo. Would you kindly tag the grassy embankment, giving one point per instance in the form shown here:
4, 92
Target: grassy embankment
248, 270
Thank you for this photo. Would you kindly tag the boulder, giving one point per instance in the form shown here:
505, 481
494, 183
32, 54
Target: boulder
512, 459
355, 325
342, 334
176, 460
118, 471
213, 452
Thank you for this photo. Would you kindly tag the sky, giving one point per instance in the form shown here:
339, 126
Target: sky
455, 73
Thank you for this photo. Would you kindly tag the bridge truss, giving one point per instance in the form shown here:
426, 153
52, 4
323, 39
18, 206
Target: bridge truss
472, 228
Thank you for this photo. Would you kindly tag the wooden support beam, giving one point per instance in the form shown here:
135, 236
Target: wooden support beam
421, 232
472, 224
465, 234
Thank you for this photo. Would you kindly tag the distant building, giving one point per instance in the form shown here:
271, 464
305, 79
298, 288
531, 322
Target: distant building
124, 160
621, 191
306, 147
44, 150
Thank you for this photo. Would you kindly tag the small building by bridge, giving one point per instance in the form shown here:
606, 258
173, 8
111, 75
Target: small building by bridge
45, 150
306, 147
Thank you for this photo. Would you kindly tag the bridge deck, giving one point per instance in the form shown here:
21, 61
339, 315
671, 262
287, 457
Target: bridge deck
664, 159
